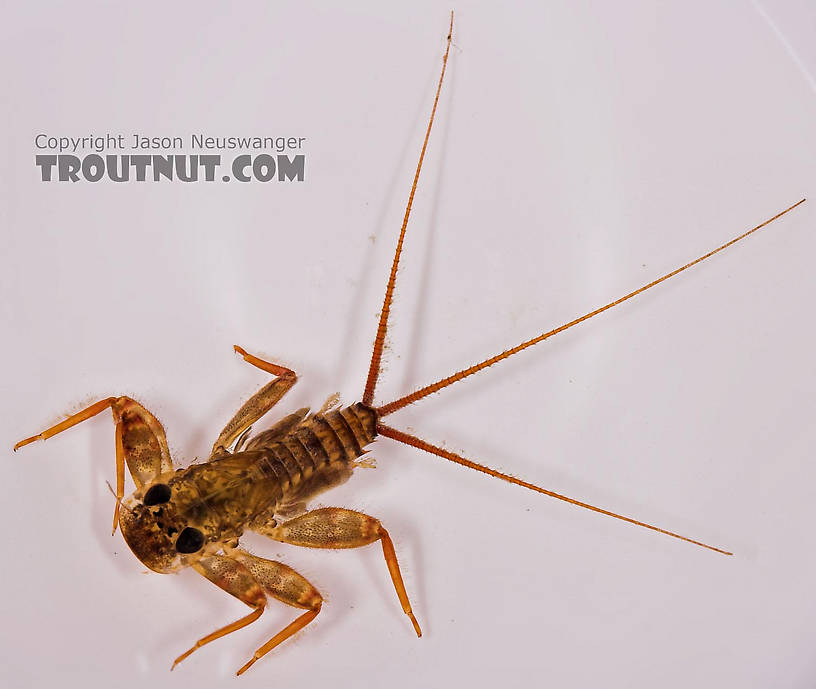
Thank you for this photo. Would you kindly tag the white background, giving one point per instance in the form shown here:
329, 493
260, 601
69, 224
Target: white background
581, 149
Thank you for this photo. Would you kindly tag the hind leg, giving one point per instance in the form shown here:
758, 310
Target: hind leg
250, 579
335, 527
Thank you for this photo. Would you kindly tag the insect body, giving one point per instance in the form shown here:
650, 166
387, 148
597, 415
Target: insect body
195, 516
179, 512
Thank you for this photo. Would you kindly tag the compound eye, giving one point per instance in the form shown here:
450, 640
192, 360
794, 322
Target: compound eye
190, 540
157, 495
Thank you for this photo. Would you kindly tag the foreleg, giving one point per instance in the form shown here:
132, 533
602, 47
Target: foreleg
140, 442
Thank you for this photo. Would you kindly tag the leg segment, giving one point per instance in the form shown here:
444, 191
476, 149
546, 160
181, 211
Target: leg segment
140, 441
335, 527
73, 420
289, 587
257, 405
235, 579
250, 578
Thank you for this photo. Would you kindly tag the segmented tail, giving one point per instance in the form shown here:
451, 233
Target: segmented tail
413, 441
379, 343
420, 444
417, 395
382, 327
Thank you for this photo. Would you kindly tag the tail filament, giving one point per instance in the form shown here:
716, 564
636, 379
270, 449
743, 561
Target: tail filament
391, 407
420, 444
382, 327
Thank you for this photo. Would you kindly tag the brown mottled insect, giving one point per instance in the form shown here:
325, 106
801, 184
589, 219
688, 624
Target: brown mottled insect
194, 517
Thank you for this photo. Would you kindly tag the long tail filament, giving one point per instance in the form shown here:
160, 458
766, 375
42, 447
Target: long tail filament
391, 407
382, 327
420, 444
